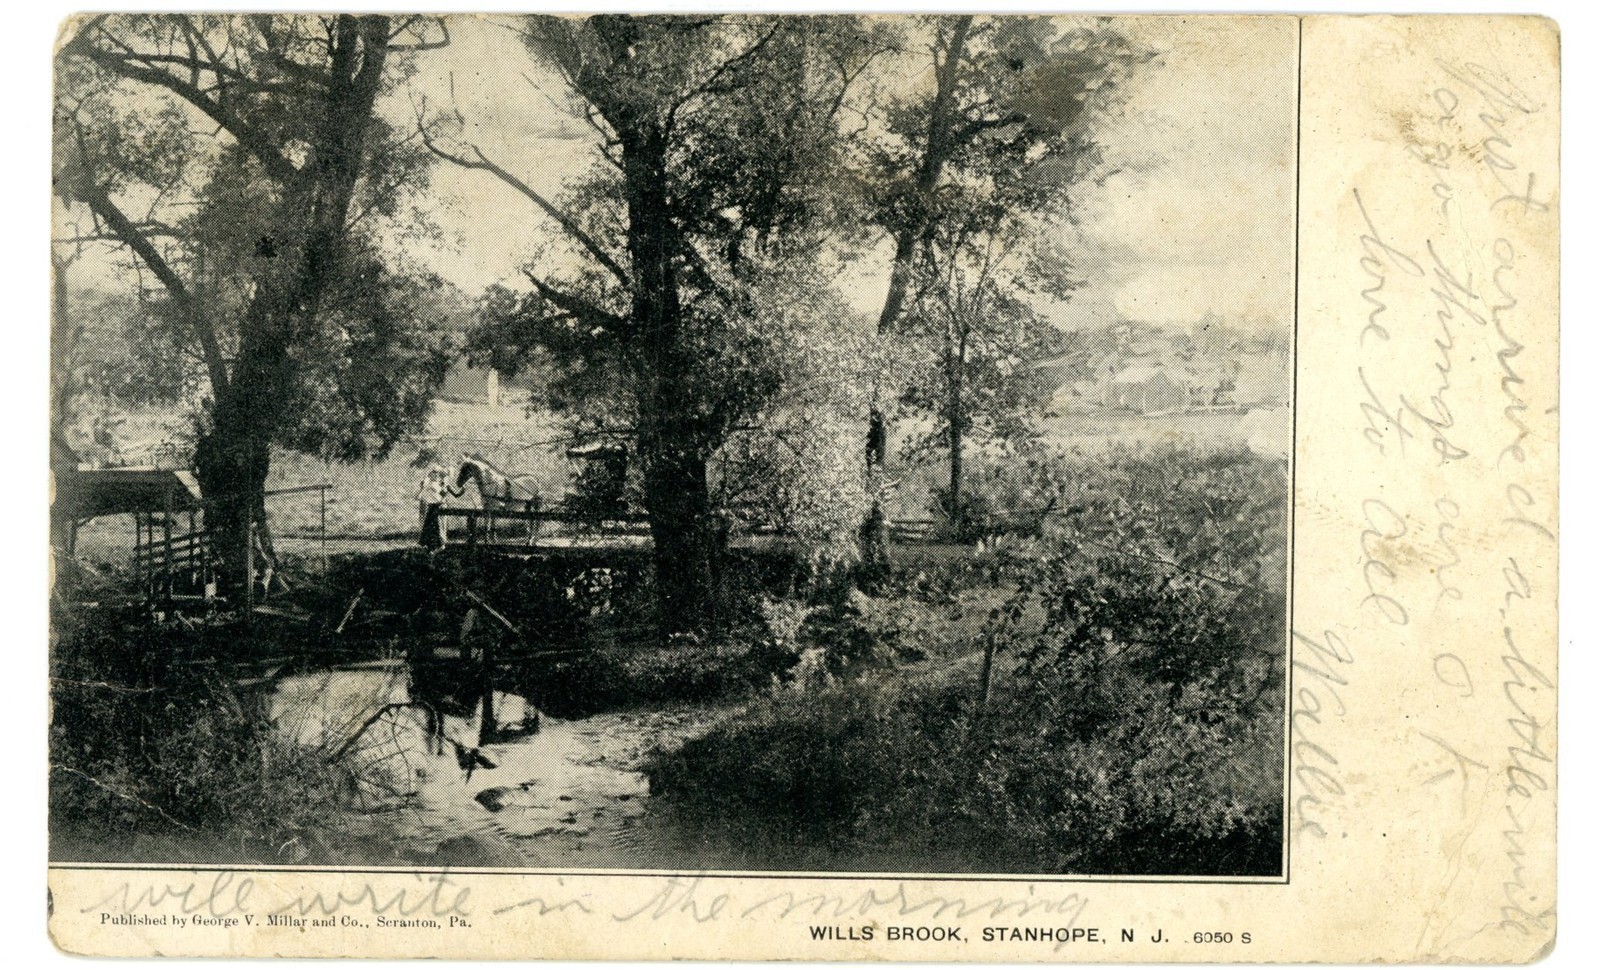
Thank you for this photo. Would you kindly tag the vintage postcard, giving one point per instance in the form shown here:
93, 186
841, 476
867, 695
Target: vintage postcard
744, 486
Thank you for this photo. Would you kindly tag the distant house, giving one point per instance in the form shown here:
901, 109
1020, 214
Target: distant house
1146, 390
478, 385
1103, 368
1197, 385
1062, 400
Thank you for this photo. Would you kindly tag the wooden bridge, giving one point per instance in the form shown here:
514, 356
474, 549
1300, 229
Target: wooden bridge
485, 529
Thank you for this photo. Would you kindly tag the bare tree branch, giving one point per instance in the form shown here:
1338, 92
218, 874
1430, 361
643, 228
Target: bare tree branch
138, 67
482, 162
128, 232
722, 70
149, 229
579, 307
420, 45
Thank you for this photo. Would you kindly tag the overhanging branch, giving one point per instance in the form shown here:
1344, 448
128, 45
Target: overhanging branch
126, 231
481, 162
579, 307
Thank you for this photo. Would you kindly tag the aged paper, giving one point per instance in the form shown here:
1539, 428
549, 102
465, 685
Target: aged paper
1285, 290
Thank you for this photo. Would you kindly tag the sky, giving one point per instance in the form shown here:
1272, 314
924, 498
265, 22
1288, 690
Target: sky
1199, 220
1206, 223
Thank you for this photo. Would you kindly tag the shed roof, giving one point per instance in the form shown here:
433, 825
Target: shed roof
113, 491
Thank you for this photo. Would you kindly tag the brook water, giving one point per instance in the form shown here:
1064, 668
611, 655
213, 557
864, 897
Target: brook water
543, 793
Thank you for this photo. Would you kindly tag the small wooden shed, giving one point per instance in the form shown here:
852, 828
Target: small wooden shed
164, 503
1146, 390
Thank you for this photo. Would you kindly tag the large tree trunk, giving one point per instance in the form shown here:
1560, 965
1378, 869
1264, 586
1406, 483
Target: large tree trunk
672, 441
688, 541
233, 457
958, 514
936, 151
956, 430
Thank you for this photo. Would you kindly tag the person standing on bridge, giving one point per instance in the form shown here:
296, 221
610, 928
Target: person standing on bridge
430, 499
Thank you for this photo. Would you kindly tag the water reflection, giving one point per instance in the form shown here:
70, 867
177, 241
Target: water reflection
444, 784
435, 789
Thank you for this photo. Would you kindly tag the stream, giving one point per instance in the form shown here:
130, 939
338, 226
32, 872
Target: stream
545, 793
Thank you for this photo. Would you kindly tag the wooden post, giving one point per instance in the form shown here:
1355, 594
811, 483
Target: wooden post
166, 538
986, 674
250, 566
322, 528
138, 549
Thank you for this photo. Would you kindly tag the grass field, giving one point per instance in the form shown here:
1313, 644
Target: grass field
375, 501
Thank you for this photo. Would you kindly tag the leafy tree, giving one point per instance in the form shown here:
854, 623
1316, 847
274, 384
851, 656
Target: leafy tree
105, 352
239, 160
715, 136
794, 465
1006, 129
978, 338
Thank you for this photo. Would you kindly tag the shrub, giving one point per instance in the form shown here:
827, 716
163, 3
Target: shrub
1135, 725
1009, 494
148, 739
789, 763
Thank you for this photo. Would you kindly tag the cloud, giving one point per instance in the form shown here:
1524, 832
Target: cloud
1199, 219
1185, 293
1202, 219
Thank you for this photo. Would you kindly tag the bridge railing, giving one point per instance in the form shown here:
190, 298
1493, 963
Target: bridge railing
487, 526
483, 525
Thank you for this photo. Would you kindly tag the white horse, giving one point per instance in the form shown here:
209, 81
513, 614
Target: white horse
499, 491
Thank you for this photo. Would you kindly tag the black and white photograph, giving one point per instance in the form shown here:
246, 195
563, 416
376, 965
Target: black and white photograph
723, 443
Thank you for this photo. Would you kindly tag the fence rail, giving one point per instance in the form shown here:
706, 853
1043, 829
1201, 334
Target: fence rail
181, 551
912, 530
481, 523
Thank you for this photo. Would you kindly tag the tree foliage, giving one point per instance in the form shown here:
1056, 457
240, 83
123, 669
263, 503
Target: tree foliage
970, 179
669, 305
977, 339
1009, 125
239, 162
1136, 722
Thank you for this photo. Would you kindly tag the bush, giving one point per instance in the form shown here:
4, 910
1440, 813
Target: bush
1012, 494
921, 769
789, 764
148, 739
1135, 722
